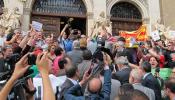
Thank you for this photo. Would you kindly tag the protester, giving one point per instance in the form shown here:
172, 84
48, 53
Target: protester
123, 74
150, 81
94, 86
76, 54
81, 67
86, 63
135, 79
169, 88
73, 76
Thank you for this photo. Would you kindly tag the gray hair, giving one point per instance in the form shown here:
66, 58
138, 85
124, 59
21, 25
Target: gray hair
76, 44
17, 30
136, 74
122, 60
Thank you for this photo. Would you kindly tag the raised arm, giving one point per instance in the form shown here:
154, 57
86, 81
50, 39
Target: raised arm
20, 68
42, 63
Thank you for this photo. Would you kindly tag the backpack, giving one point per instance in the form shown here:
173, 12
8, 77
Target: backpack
67, 45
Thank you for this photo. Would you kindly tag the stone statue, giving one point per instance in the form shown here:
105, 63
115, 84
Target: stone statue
101, 25
160, 27
10, 20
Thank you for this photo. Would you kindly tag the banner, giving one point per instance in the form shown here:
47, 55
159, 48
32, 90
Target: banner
56, 83
138, 36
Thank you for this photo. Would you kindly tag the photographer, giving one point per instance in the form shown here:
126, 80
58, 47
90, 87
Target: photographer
20, 68
94, 85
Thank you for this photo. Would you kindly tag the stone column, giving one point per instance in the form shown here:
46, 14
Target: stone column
146, 21
26, 19
90, 23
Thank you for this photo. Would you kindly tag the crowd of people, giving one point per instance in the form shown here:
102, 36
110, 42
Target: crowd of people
90, 68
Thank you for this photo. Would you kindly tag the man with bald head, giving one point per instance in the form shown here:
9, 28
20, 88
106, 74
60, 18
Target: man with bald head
135, 79
94, 86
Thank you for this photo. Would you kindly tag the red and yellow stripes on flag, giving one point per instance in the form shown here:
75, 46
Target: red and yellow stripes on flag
139, 35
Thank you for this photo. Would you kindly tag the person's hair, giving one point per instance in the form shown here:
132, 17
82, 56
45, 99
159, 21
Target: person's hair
155, 59
149, 43
17, 30
121, 39
132, 95
87, 55
6, 47
135, 74
139, 95
76, 44
58, 51
63, 61
123, 97
119, 54
122, 60
170, 84
94, 92
50, 46
146, 66
125, 89
71, 71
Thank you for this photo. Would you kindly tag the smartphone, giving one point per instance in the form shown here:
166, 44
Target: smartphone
90, 70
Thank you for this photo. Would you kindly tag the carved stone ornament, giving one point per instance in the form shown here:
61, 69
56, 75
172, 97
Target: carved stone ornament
102, 25
10, 20
22, 0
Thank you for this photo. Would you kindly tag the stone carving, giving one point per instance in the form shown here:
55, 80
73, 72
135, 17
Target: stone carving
23, 0
101, 25
160, 27
10, 20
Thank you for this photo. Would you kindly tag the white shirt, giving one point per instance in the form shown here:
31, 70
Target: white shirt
73, 81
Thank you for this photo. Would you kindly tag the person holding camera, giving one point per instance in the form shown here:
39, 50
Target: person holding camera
20, 69
94, 85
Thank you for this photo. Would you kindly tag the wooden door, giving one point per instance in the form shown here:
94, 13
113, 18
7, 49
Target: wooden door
125, 17
51, 25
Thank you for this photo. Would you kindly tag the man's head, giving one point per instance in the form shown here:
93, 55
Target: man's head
87, 55
17, 31
170, 87
94, 85
133, 95
39, 35
145, 67
139, 95
76, 44
119, 45
135, 76
7, 51
171, 46
72, 72
65, 36
121, 61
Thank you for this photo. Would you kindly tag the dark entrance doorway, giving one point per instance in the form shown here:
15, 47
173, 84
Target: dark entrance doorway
125, 17
1, 6
55, 13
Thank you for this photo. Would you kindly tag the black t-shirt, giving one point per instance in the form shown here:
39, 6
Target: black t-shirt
169, 56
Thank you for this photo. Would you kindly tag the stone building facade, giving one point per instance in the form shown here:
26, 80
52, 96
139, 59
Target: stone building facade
149, 11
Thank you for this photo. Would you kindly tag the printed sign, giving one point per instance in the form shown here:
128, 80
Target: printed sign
155, 35
37, 26
56, 85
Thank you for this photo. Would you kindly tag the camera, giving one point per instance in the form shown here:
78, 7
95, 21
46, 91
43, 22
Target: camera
100, 41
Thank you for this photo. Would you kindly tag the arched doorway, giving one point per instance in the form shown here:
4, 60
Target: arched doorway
55, 13
1, 6
125, 16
